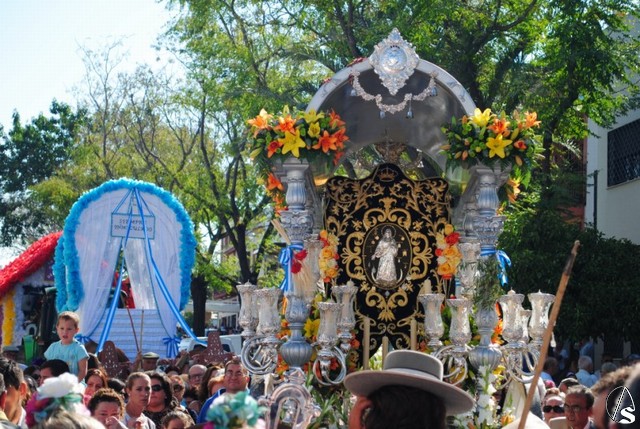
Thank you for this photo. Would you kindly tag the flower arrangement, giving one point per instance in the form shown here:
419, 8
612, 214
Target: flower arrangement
487, 414
328, 260
235, 412
55, 393
315, 137
494, 140
448, 253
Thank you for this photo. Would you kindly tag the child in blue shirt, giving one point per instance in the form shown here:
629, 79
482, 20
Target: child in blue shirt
68, 348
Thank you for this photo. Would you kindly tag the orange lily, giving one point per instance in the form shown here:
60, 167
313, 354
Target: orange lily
530, 120
274, 183
260, 122
500, 126
326, 142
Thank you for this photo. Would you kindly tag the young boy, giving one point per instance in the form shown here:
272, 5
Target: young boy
68, 348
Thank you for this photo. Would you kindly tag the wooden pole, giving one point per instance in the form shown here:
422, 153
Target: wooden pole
566, 274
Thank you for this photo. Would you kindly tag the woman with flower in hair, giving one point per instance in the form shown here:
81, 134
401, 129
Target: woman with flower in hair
58, 404
138, 389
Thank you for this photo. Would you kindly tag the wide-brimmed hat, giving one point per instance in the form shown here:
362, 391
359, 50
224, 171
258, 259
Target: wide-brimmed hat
150, 355
412, 369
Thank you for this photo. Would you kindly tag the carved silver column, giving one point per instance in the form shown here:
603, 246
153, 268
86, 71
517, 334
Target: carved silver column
485, 354
297, 220
296, 351
487, 225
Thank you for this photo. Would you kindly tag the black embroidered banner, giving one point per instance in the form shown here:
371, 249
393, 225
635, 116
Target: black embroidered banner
386, 225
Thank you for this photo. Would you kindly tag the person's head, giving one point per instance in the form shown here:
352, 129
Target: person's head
567, 383
94, 380
150, 361
106, 404
235, 376
177, 387
578, 406
196, 372
215, 383
117, 385
626, 415
601, 390
15, 387
552, 407
203, 388
67, 326
52, 368
138, 389
607, 367
32, 387
33, 371
585, 362
176, 420
632, 359
550, 365
172, 370
161, 392
409, 392
190, 394
68, 420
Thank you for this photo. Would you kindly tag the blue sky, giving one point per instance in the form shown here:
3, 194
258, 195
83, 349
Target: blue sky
39, 49
40, 39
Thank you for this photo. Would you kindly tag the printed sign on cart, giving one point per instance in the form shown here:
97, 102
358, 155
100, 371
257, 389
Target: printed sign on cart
120, 225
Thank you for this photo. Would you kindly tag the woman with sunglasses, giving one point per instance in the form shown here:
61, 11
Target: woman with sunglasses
178, 387
553, 407
161, 401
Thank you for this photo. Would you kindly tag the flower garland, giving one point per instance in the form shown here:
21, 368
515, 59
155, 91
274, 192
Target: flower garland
315, 137
448, 253
329, 256
495, 140
235, 412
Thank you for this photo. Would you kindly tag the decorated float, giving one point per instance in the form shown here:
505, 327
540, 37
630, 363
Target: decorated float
23, 295
386, 189
132, 233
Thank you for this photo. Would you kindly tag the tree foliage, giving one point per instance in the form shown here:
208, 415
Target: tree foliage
563, 59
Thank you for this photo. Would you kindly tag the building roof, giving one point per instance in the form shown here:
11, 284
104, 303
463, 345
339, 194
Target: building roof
28, 262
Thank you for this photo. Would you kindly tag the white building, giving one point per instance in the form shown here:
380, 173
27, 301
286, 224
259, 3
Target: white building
613, 178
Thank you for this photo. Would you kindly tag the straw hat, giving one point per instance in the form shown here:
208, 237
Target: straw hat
412, 369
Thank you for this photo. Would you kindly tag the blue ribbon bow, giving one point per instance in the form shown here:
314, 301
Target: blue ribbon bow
172, 346
285, 259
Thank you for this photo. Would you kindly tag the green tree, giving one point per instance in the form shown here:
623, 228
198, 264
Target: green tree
29, 155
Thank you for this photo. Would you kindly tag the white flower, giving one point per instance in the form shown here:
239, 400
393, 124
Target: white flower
57, 387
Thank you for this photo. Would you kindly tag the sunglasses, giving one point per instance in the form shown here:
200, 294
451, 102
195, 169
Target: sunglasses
156, 388
554, 408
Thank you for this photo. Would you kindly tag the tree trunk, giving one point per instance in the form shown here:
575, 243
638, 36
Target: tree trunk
199, 297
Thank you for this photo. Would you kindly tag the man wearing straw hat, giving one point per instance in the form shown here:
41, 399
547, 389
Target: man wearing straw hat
407, 393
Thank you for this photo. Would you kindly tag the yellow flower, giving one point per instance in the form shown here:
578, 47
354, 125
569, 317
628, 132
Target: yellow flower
496, 146
311, 328
314, 130
311, 116
448, 229
481, 118
292, 143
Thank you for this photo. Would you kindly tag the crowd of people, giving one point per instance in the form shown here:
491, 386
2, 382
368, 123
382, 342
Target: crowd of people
71, 390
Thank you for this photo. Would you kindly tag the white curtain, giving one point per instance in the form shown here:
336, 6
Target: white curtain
98, 254
97, 258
